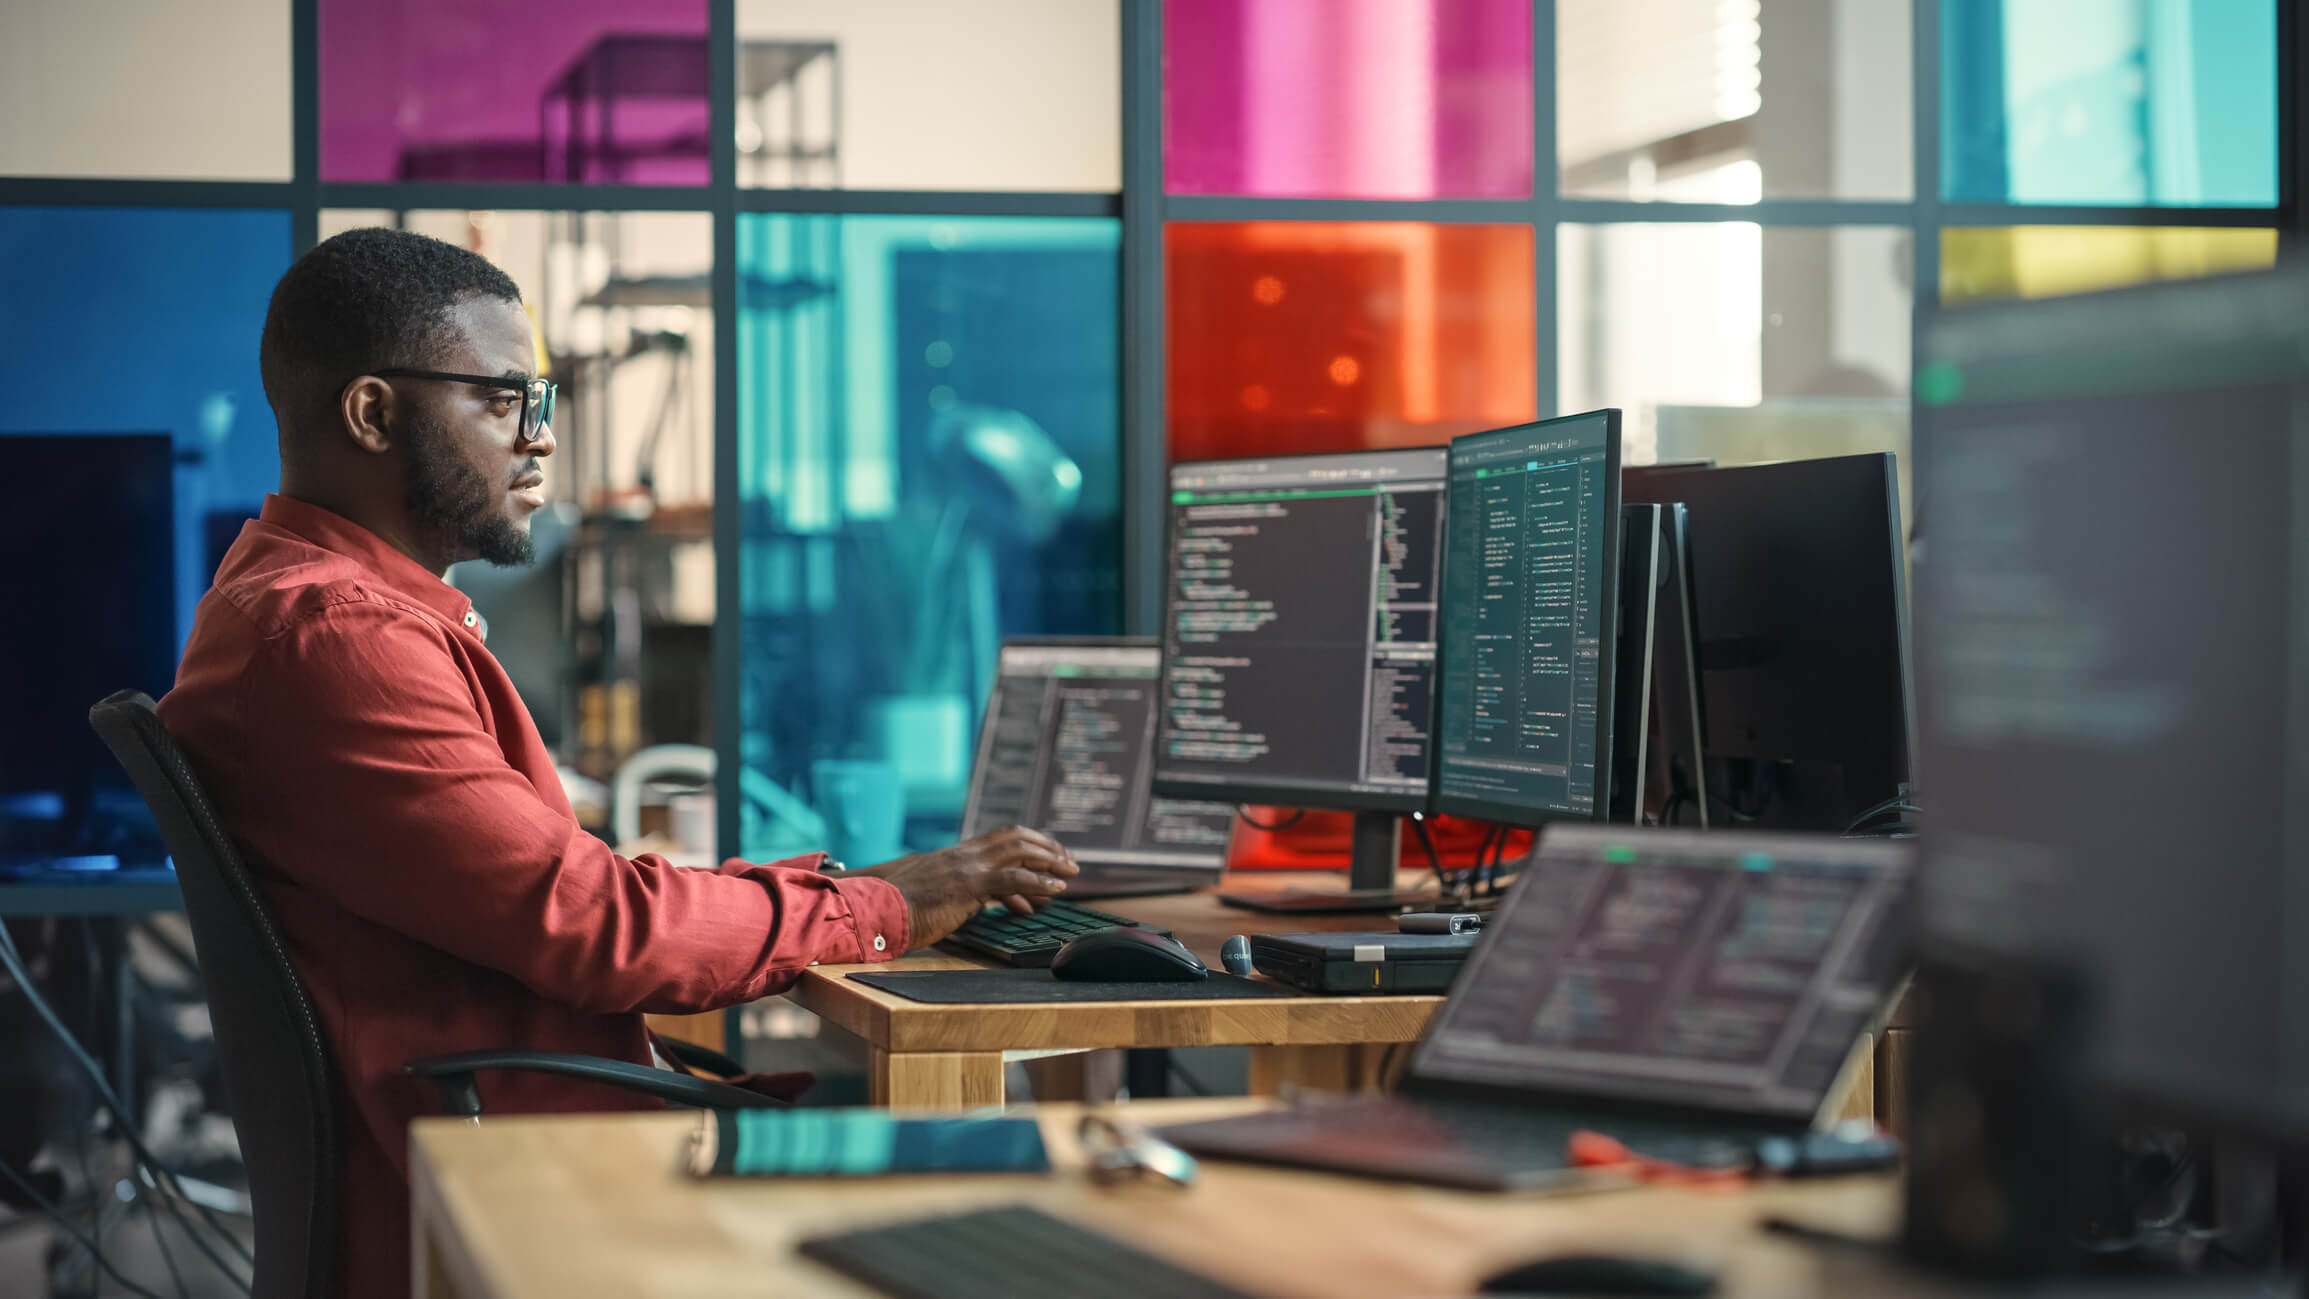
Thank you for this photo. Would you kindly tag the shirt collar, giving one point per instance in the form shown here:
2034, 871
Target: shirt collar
397, 572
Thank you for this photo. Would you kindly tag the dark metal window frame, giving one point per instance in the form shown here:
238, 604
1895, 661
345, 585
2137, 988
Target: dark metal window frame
1143, 209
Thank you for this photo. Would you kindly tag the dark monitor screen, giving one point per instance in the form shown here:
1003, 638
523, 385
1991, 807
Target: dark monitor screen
1067, 746
1299, 629
2113, 615
1523, 728
1800, 616
1729, 971
88, 543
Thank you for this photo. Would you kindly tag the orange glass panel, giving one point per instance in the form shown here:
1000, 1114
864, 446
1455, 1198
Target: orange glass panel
1288, 336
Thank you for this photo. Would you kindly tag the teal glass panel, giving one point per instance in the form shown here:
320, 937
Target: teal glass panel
2124, 102
929, 460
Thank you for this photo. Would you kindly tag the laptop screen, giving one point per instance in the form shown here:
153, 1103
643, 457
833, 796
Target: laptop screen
1066, 747
1726, 971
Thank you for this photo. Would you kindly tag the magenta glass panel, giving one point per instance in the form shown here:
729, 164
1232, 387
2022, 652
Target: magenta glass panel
599, 91
1348, 98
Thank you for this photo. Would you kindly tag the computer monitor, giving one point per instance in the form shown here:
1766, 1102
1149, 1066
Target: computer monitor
2113, 604
1524, 715
1066, 747
1299, 636
89, 549
1801, 620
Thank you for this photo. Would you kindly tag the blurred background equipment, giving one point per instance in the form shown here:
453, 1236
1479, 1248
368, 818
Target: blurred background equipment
2115, 679
97, 517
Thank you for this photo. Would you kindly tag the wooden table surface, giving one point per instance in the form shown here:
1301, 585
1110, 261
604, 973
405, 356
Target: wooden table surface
925, 1056
561, 1206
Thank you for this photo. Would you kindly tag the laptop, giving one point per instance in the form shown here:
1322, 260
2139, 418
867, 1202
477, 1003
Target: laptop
1066, 747
1686, 993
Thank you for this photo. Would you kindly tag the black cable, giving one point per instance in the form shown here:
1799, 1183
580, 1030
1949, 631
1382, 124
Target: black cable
13, 961
1473, 876
160, 1238
1491, 887
1284, 824
64, 1224
1427, 841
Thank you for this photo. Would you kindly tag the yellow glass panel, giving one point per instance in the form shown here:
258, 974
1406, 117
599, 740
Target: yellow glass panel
1988, 263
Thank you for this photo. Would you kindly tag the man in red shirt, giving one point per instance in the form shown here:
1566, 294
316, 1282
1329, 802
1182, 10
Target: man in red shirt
390, 791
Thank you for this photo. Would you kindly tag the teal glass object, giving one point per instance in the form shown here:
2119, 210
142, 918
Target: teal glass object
2143, 103
929, 460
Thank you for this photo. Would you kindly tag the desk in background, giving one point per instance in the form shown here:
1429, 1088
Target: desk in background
950, 1057
553, 1207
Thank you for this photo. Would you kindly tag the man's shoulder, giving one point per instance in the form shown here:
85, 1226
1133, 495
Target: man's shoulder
288, 587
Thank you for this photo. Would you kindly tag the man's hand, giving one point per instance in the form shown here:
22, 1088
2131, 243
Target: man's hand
1013, 865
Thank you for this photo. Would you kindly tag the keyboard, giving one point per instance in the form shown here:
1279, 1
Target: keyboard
1012, 1252
1000, 934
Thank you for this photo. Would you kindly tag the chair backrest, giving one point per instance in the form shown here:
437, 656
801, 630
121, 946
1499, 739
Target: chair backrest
277, 1074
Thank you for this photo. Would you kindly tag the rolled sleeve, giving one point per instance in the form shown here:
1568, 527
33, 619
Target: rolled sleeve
878, 918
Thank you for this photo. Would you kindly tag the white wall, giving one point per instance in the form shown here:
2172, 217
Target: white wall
145, 89
967, 94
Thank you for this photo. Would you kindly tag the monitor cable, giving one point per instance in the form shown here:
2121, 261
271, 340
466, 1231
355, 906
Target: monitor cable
1427, 843
1244, 814
166, 1186
1893, 813
49, 1210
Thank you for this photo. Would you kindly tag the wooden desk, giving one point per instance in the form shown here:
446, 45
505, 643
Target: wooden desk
552, 1207
948, 1057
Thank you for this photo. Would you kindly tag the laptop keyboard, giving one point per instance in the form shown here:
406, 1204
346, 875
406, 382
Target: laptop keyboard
1000, 934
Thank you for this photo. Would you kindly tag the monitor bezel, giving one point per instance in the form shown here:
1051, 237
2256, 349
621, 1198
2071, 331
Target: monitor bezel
1322, 797
1606, 683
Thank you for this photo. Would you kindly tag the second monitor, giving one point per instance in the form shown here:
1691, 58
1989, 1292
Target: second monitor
1524, 727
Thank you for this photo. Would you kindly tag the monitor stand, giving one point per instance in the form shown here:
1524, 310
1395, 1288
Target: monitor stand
1370, 879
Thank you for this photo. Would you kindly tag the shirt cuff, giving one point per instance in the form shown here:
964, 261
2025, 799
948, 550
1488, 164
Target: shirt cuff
879, 911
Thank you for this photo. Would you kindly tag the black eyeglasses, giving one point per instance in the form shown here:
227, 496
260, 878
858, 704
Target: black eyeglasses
536, 396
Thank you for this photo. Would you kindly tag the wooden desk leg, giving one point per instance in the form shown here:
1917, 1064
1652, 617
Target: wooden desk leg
1092, 1076
1859, 1099
1345, 1067
934, 1080
1892, 1081
430, 1276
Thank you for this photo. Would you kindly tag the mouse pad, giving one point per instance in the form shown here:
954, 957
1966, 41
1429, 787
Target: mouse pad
984, 987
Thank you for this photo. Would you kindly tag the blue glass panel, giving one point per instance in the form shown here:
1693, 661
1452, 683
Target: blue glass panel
115, 321
929, 460
2127, 102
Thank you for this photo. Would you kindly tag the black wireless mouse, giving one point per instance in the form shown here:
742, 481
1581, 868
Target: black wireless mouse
1126, 955
1600, 1274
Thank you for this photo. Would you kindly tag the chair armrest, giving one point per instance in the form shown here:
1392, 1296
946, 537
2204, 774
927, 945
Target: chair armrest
692, 1056
454, 1075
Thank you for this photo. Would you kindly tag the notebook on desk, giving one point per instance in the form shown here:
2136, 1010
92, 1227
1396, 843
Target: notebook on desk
1065, 748
1686, 994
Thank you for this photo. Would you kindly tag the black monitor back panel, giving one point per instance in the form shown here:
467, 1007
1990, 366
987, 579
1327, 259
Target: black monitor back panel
1800, 615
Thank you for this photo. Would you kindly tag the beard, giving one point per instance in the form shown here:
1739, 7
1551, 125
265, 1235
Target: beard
459, 503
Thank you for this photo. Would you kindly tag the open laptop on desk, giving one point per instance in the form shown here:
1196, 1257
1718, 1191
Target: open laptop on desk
1685, 993
1065, 748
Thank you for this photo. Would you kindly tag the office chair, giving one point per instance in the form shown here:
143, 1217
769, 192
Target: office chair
269, 1045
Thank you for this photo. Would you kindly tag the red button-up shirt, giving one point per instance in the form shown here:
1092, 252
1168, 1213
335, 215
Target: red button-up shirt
392, 796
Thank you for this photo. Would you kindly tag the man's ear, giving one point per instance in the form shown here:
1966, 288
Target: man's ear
365, 410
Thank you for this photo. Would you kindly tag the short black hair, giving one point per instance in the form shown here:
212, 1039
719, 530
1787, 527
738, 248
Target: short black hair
365, 300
